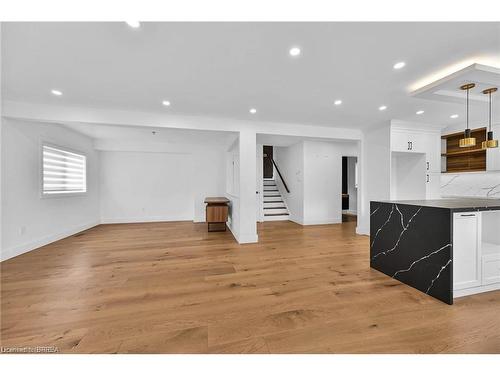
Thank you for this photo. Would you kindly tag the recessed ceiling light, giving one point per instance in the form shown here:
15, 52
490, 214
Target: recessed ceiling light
134, 24
253, 111
382, 108
56, 92
337, 102
294, 51
166, 103
419, 112
454, 116
399, 65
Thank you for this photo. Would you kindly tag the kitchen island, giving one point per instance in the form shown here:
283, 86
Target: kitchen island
446, 248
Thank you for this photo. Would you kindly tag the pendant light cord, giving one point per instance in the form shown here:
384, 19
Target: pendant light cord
489, 115
467, 109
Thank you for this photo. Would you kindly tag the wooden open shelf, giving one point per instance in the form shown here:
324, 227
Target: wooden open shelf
470, 159
465, 152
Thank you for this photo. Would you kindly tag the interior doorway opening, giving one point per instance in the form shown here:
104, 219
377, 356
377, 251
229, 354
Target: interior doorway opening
349, 188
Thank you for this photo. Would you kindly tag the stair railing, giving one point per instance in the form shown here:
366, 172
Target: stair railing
279, 173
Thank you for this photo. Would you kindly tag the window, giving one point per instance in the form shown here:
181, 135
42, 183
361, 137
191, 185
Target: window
64, 172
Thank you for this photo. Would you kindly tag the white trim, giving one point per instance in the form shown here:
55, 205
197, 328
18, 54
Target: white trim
242, 239
332, 220
476, 290
248, 238
361, 230
144, 219
33, 245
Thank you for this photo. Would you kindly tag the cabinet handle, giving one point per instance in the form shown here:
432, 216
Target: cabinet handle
467, 214
427, 178
408, 146
411, 145
427, 165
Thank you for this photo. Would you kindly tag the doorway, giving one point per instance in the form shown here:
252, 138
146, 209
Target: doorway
268, 162
349, 188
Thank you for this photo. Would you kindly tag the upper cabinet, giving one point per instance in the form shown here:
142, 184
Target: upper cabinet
493, 154
416, 160
417, 138
407, 141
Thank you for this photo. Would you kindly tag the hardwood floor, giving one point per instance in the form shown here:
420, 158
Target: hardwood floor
174, 288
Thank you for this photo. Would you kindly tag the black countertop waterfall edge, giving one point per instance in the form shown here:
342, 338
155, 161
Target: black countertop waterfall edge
412, 241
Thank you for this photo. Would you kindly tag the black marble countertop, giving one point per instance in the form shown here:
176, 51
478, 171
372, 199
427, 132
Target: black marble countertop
454, 204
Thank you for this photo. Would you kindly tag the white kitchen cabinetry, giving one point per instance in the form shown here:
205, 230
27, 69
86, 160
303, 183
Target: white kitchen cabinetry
432, 185
467, 260
432, 153
407, 141
491, 268
493, 154
417, 139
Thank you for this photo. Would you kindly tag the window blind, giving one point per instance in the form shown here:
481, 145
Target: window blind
63, 171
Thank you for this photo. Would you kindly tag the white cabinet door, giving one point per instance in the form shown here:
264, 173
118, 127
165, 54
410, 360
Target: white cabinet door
432, 185
432, 153
400, 141
417, 142
407, 141
493, 154
491, 269
466, 250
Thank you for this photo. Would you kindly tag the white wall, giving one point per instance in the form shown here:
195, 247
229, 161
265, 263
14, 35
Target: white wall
146, 186
375, 178
352, 190
241, 172
232, 186
143, 182
29, 221
247, 232
323, 180
290, 161
313, 171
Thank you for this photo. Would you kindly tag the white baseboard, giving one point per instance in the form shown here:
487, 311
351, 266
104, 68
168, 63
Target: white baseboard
362, 230
333, 220
143, 219
476, 290
45, 240
244, 238
233, 231
248, 238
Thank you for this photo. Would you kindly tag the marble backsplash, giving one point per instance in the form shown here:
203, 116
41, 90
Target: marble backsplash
472, 184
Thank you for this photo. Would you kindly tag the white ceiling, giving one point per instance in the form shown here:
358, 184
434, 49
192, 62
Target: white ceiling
223, 69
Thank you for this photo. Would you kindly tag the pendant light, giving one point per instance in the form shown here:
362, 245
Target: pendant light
490, 142
467, 140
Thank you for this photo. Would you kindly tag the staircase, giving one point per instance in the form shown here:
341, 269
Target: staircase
274, 206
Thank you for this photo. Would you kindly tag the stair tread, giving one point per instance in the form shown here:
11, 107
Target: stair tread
283, 214
274, 208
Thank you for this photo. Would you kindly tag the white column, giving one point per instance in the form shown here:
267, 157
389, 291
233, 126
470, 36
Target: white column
247, 232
